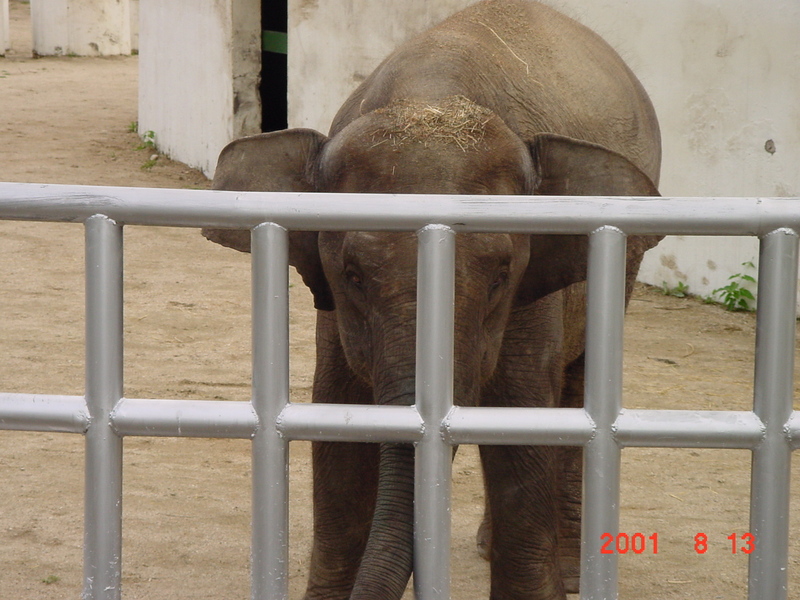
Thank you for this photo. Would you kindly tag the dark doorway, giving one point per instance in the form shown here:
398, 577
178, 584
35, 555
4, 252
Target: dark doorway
274, 70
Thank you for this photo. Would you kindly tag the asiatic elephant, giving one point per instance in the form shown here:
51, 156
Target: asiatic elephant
505, 97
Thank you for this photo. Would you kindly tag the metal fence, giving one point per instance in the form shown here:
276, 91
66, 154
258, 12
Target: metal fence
771, 430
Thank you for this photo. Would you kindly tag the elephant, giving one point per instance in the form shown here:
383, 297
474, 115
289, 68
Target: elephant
505, 97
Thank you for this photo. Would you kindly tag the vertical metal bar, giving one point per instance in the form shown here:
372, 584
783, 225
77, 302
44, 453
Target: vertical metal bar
103, 500
434, 398
270, 276
603, 402
772, 403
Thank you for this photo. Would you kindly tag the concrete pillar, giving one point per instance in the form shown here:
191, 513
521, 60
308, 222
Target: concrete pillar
199, 64
81, 27
5, 38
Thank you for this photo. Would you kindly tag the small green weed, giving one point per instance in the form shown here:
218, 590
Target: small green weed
148, 140
51, 579
734, 296
679, 291
149, 163
148, 143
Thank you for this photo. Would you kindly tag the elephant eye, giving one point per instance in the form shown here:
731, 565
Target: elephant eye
354, 277
499, 281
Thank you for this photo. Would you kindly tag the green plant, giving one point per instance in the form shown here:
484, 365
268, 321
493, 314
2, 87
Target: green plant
735, 296
133, 127
150, 163
50, 579
148, 140
679, 291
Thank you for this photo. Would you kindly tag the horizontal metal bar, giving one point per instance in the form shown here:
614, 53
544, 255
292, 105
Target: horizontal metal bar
184, 418
463, 425
313, 211
36, 412
792, 430
507, 425
689, 429
350, 423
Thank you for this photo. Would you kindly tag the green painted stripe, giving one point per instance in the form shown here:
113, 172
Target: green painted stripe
274, 41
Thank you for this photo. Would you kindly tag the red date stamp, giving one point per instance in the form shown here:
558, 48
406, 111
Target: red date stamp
622, 543
747, 541
639, 543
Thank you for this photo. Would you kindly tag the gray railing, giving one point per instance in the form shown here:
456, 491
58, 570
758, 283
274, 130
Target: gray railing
771, 431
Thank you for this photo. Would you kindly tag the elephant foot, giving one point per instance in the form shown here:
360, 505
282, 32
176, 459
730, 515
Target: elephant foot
570, 574
572, 584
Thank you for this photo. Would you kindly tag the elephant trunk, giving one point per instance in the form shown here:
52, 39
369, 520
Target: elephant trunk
388, 558
387, 561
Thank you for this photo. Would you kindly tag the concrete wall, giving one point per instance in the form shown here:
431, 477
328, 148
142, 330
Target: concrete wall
725, 83
722, 75
81, 27
199, 63
334, 45
5, 37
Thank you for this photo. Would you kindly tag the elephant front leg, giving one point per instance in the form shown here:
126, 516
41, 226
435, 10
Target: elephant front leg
570, 492
570, 484
523, 503
345, 478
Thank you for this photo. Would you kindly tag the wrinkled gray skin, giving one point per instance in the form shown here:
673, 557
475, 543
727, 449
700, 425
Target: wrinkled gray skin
565, 116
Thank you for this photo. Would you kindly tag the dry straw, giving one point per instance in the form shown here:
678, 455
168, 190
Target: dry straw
455, 120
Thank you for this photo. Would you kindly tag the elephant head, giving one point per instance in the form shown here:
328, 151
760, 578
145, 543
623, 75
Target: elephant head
369, 279
450, 147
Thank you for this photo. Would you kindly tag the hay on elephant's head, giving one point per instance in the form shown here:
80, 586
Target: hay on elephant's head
455, 120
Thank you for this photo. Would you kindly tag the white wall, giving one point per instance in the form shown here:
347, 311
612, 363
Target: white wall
723, 77
725, 82
81, 27
199, 63
335, 44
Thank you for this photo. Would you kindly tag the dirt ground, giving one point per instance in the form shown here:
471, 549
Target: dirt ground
186, 502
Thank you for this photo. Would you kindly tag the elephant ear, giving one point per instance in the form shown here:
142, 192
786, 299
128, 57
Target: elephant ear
568, 167
280, 161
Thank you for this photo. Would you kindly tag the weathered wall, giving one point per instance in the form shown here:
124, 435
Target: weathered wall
134, 12
722, 75
725, 83
199, 64
81, 27
334, 45
5, 38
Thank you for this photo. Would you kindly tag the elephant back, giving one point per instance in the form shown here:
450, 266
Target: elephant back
537, 69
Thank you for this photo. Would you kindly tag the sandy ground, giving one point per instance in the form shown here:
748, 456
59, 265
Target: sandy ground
186, 502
